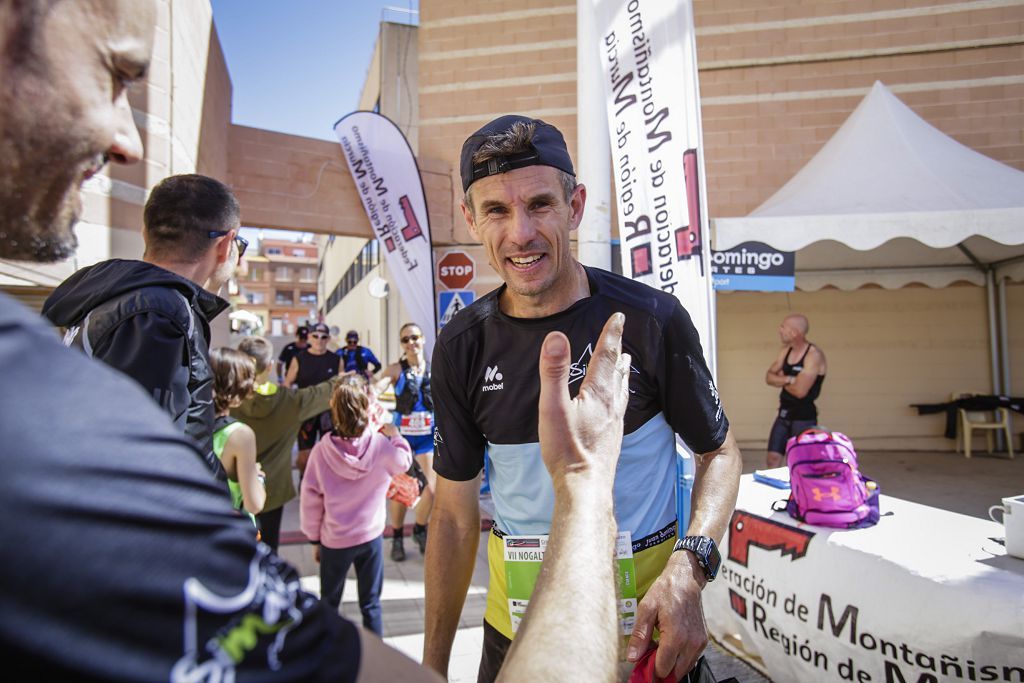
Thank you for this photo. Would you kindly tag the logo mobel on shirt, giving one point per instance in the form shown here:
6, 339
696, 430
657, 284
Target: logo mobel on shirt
493, 379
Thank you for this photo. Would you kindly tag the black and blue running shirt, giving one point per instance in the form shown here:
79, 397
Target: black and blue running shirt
486, 386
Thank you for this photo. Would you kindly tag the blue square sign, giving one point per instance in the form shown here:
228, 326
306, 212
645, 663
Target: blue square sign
450, 303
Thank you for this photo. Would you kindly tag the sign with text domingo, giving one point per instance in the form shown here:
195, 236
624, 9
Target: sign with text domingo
388, 181
753, 267
648, 54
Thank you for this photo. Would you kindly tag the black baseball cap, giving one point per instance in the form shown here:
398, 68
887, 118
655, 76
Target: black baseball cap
352, 334
322, 329
548, 150
302, 331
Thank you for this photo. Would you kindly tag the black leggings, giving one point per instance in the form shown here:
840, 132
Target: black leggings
493, 655
270, 527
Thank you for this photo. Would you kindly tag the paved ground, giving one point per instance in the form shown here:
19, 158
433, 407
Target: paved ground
943, 480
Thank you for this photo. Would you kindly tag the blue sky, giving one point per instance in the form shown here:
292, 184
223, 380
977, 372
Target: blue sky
298, 66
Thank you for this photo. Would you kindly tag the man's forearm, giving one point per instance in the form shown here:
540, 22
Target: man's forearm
579, 569
448, 570
715, 489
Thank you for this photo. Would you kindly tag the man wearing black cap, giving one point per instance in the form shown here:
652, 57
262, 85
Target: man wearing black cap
522, 202
291, 350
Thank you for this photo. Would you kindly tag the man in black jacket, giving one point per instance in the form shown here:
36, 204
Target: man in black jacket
131, 563
150, 319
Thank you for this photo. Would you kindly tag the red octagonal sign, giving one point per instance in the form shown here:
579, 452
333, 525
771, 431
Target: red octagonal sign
456, 270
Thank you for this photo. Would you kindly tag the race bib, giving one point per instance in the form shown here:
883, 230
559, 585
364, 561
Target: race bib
523, 556
417, 424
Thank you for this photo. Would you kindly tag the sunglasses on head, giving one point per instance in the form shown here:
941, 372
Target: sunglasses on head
242, 243
411, 338
319, 336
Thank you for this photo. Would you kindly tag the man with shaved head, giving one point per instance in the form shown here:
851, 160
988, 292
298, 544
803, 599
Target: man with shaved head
799, 372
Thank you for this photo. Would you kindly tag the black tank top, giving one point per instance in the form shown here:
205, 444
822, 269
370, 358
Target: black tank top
791, 407
315, 369
412, 391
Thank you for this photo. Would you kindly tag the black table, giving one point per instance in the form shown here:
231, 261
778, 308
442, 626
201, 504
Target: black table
978, 402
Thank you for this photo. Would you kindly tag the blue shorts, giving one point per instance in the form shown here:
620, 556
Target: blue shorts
420, 443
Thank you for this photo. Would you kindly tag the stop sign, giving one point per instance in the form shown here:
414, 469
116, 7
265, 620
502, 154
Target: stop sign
456, 269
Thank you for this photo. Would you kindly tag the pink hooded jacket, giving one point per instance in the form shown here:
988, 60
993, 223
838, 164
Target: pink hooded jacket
344, 487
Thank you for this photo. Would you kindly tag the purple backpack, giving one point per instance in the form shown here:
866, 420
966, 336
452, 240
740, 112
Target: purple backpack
826, 487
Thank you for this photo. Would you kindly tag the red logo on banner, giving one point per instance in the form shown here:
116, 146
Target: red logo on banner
738, 603
640, 257
746, 530
456, 270
686, 241
412, 228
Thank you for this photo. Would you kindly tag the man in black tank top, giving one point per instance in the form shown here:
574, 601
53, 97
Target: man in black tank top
308, 368
799, 372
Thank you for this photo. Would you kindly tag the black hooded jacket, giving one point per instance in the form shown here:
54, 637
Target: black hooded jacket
152, 325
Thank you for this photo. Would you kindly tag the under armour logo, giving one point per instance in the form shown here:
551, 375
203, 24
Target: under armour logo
833, 493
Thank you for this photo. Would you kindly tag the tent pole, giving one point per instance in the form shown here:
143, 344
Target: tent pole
1004, 345
1004, 334
993, 338
992, 333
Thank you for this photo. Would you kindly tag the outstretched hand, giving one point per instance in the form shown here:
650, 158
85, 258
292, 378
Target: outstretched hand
583, 436
571, 630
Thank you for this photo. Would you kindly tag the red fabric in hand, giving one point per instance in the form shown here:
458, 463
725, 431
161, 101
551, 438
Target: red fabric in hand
643, 671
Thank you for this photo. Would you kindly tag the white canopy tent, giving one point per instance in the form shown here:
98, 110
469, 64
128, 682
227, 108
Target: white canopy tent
891, 200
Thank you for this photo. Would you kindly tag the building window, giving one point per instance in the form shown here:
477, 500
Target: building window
273, 251
307, 298
308, 274
298, 252
283, 273
255, 273
284, 299
255, 297
361, 266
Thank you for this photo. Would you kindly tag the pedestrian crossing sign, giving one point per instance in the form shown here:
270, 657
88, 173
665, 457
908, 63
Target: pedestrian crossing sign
450, 303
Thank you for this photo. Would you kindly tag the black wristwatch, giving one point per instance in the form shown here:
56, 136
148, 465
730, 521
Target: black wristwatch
706, 552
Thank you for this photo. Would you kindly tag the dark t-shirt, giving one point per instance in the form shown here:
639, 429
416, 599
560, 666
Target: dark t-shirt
314, 369
486, 386
125, 559
288, 352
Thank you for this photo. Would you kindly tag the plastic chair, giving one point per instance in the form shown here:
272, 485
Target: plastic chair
989, 421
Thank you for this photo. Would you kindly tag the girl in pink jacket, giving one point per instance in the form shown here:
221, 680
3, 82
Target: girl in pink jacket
343, 499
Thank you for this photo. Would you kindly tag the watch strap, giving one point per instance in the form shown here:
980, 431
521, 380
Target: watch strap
706, 552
